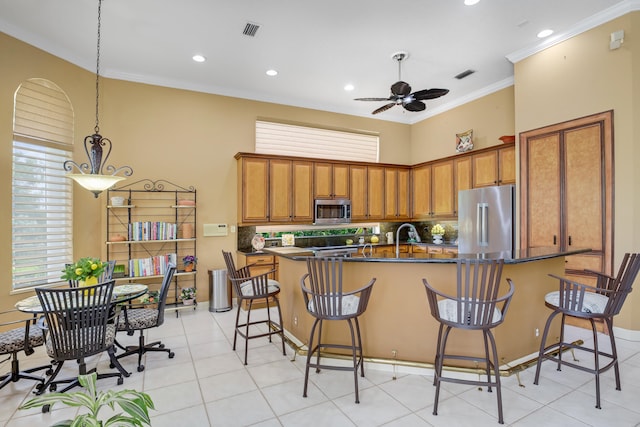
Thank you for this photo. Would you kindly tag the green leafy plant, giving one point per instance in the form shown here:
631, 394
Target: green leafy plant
83, 269
136, 404
187, 293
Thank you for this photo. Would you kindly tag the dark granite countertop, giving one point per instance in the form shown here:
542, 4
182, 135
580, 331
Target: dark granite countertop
358, 246
515, 257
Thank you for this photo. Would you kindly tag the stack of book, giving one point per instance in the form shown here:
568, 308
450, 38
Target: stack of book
152, 230
153, 266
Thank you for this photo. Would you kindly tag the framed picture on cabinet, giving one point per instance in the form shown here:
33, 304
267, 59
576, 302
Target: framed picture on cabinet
464, 141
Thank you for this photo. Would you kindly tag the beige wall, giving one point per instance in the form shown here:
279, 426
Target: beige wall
490, 117
581, 77
184, 137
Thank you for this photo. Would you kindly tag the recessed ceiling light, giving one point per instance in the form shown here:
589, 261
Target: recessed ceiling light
198, 58
470, 2
349, 87
272, 73
544, 33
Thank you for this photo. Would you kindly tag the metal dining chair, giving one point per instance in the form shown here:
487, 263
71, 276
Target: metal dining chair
79, 323
476, 306
138, 317
23, 338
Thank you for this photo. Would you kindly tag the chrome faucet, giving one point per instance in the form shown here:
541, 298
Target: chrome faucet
412, 228
364, 255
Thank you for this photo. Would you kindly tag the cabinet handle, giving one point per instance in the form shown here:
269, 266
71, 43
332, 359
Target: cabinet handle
569, 240
554, 239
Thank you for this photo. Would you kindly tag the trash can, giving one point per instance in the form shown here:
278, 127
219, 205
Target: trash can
219, 291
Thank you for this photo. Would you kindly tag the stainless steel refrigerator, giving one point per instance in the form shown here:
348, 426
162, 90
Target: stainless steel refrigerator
485, 220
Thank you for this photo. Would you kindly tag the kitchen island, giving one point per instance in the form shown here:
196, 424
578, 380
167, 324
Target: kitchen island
397, 324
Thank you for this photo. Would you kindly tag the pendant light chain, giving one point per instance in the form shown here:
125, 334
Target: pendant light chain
97, 128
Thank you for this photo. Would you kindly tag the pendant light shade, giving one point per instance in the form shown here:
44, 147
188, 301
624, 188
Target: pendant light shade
92, 174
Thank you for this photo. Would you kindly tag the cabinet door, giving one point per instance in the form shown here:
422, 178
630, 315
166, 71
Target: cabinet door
302, 191
391, 193
485, 169
340, 181
462, 178
358, 183
507, 165
254, 201
322, 177
375, 192
404, 194
543, 198
331, 181
442, 188
280, 190
421, 191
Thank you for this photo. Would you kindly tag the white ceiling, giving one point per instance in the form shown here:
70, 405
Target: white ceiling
317, 47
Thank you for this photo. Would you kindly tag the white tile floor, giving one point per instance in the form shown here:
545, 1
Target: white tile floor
206, 384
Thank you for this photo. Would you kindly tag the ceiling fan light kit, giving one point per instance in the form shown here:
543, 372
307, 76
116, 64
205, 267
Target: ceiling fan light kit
401, 92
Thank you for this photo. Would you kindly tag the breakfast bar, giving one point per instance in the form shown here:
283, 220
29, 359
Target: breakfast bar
397, 324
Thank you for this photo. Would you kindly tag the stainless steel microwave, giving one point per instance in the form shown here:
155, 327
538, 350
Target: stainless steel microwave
335, 211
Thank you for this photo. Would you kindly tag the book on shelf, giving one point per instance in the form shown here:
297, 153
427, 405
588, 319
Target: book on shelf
152, 266
152, 230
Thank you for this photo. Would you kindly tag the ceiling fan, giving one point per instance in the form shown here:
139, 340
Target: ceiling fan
401, 92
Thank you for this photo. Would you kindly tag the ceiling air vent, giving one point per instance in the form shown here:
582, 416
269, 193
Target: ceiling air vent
464, 74
250, 29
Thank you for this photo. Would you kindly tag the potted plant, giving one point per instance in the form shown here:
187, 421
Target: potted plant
437, 231
188, 295
150, 297
135, 403
86, 271
189, 262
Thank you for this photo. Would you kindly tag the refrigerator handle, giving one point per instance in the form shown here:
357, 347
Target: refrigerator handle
482, 223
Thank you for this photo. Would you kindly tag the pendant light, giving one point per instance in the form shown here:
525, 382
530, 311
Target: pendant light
92, 176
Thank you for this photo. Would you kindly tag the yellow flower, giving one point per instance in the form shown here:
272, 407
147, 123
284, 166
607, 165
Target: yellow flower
78, 271
94, 266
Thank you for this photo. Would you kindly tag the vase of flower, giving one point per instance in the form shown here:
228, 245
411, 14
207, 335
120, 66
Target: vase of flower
89, 281
188, 296
189, 262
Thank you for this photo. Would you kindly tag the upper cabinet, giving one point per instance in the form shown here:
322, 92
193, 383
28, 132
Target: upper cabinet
331, 180
396, 204
281, 189
494, 167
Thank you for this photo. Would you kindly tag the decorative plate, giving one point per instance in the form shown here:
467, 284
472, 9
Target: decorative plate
257, 242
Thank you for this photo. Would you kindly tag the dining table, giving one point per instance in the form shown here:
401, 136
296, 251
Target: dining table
121, 294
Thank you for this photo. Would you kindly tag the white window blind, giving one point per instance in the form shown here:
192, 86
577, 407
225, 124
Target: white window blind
293, 140
41, 194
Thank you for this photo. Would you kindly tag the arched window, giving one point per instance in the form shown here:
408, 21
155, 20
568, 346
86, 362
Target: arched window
41, 194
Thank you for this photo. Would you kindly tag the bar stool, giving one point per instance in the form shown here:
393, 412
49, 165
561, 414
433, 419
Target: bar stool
476, 306
254, 288
325, 300
602, 302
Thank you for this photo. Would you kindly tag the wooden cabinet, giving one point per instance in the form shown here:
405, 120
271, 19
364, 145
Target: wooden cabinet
275, 190
358, 183
375, 192
391, 249
462, 178
433, 190
396, 194
442, 189
566, 190
331, 180
290, 188
494, 167
253, 201
421, 191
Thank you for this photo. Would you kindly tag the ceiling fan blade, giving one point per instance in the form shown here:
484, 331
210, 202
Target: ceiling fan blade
372, 99
400, 88
415, 106
429, 94
383, 108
